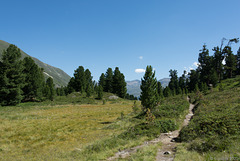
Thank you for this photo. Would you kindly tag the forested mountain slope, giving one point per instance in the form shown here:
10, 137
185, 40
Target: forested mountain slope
59, 76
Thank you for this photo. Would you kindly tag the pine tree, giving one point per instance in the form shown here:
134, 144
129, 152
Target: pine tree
89, 90
119, 84
173, 84
100, 92
205, 65
230, 62
102, 81
108, 80
194, 80
71, 86
149, 89
238, 61
217, 62
89, 82
11, 76
80, 82
167, 92
34, 80
49, 89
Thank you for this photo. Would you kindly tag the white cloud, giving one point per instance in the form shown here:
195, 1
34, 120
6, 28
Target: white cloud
140, 57
140, 70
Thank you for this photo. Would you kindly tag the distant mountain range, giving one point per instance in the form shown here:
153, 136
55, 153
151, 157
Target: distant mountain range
133, 87
60, 78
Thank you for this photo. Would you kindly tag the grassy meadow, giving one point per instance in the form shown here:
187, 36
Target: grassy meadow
74, 127
48, 131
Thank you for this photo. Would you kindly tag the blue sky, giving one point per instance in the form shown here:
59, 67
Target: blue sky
130, 34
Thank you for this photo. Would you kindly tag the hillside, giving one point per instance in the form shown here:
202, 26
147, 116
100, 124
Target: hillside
59, 76
215, 127
133, 87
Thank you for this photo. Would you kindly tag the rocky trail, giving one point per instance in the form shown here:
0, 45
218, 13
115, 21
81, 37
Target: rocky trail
168, 148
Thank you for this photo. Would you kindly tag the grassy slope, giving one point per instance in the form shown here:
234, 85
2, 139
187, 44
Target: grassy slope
214, 131
60, 77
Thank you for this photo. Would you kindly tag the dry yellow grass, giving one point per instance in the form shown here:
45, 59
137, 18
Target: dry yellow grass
52, 132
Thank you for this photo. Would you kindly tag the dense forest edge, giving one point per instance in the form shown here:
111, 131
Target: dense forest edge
213, 132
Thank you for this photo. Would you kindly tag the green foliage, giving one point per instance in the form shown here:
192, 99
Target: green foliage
149, 89
119, 84
11, 76
108, 80
49, 89
34, 80
231, 62
216, 119
100, 92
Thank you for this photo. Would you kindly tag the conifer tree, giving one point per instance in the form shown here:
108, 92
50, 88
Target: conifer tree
194, 80
88, 77
89, 90
71, 86
119, 84
80, 80
217, 62
159, 90
34, 80
167, 92
100, 92
173, 84
149, 89
230, 62
205, 65
108, 80
11, 76
102, 81
49, 89
238, 61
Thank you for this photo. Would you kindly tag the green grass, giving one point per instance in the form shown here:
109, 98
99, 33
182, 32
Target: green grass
79, 128
52, 132
214, 131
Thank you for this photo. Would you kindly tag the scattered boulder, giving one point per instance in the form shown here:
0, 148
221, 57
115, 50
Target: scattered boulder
167, 153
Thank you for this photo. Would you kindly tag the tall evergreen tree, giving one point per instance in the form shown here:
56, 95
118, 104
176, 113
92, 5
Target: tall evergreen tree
238, 61
102, 81
11, 76
88, 77
100, 92
205, 65
167, 92
109, 80
217, 62
34, 80
80, 82
160, 90
173, 84
194, 80
231, 62
71, 86
149, 89
182, 80
119, 84
49, 89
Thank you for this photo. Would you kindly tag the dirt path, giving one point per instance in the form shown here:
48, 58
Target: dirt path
168, 148
166, 153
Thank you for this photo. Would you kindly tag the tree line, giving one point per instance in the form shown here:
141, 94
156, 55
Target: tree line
211, 70
22, 80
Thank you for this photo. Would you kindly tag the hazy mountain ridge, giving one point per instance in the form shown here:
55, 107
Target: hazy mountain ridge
133, 87
59, 76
